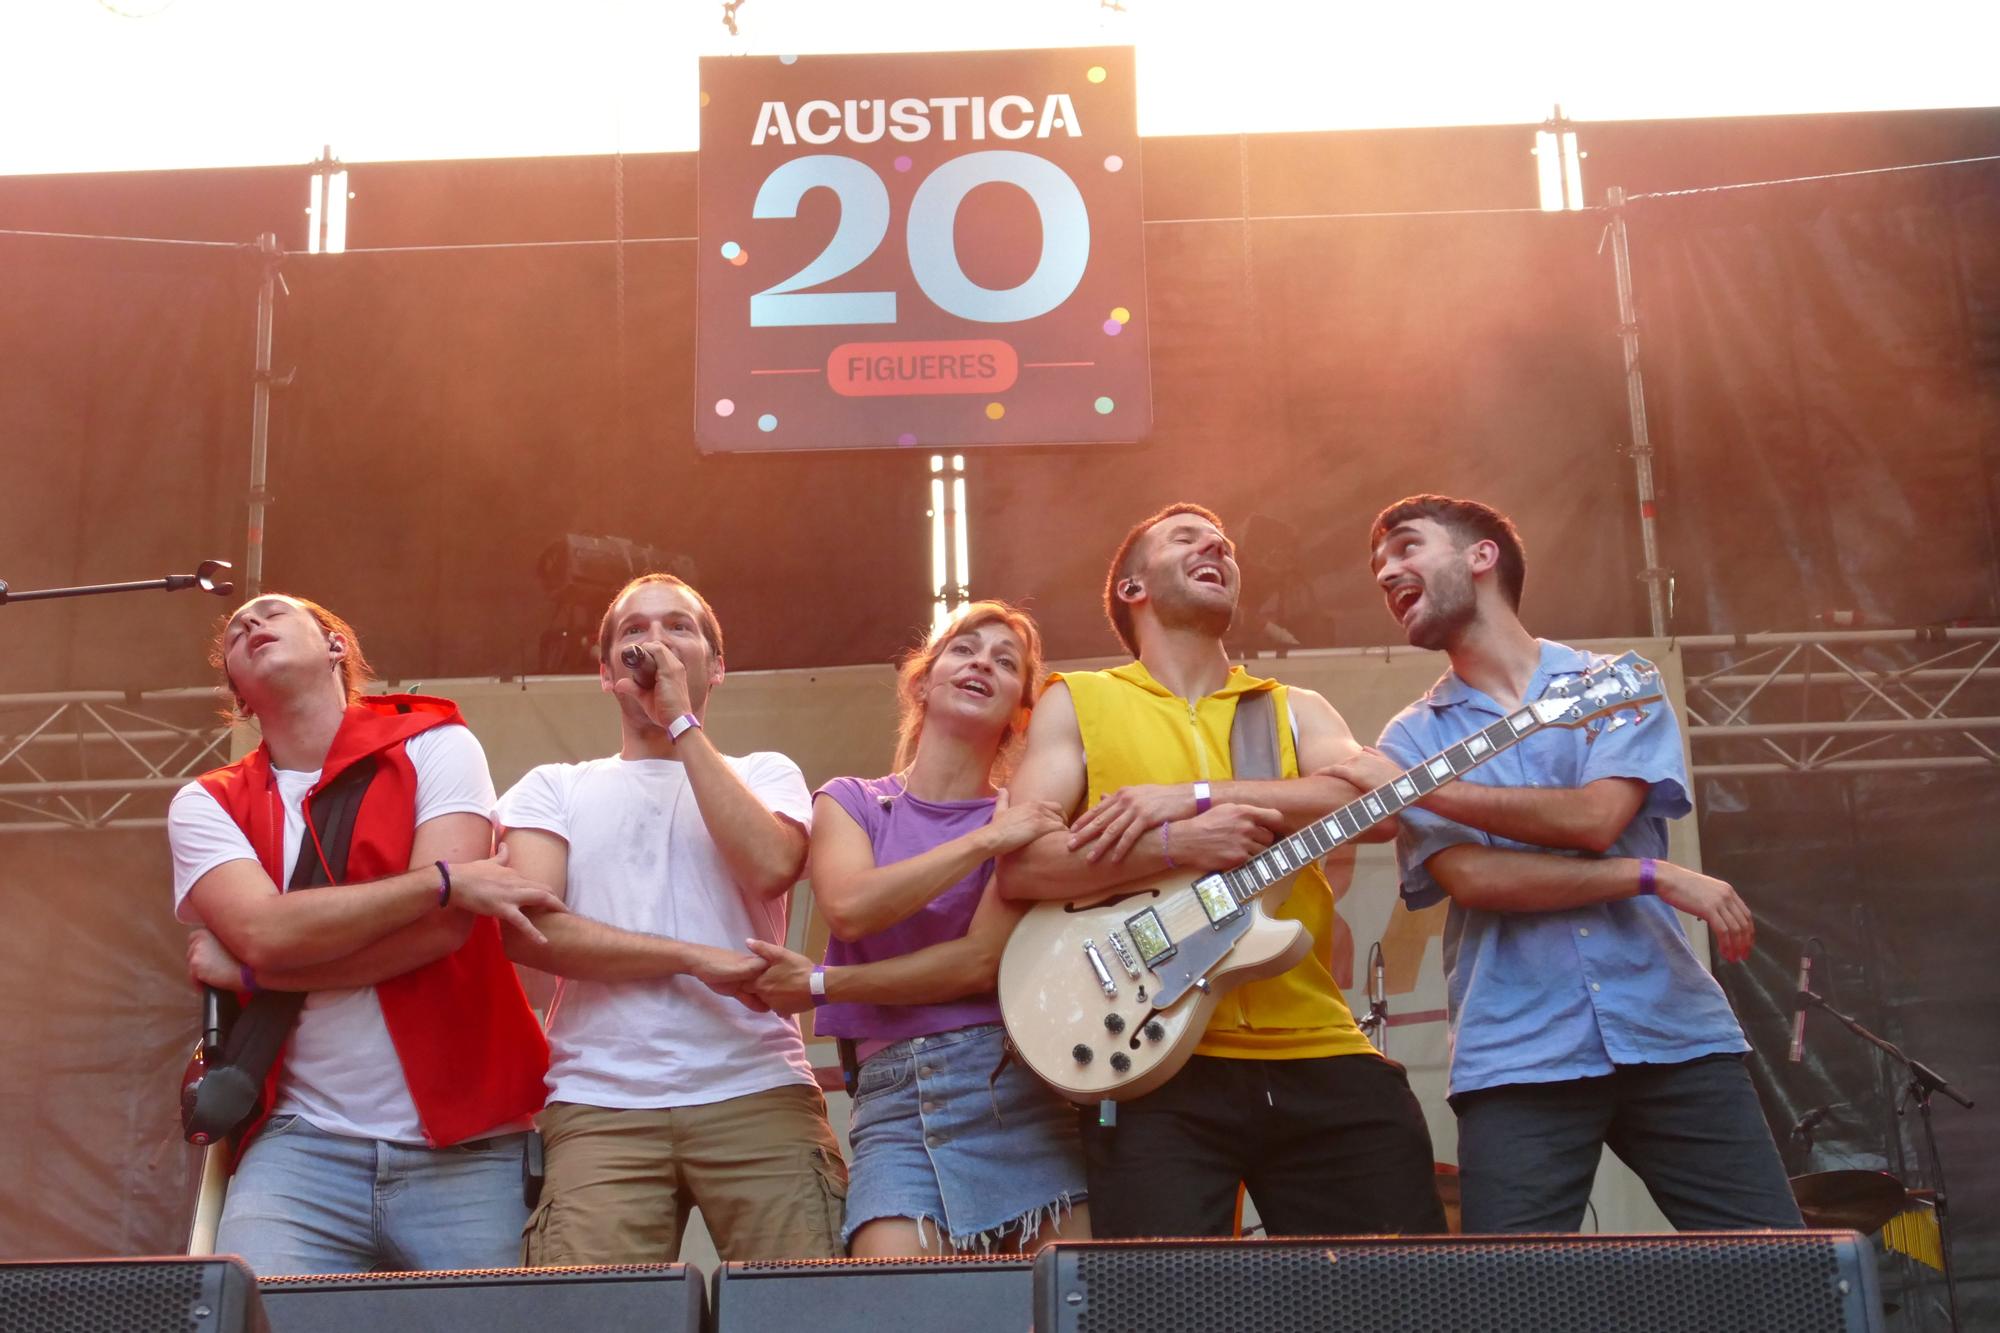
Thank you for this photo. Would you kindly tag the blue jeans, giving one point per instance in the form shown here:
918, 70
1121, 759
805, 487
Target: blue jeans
305, 1201
1527, 1152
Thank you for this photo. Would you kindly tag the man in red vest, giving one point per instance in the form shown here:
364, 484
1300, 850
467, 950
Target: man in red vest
391, 1129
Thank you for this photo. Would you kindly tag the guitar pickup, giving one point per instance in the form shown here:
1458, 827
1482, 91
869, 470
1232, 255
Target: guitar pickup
1150, 937
1217, 900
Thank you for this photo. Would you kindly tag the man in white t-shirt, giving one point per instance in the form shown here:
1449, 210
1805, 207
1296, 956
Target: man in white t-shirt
391, 1130
665, 1091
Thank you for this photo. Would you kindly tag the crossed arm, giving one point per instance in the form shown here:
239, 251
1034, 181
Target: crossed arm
576, 946
858, 897
1118, 841
1588, 819
365, 933
948, 970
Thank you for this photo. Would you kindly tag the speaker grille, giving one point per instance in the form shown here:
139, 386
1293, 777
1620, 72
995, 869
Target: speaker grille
91, 1298
1571, 1285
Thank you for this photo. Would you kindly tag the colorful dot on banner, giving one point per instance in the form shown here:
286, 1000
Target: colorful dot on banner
907, 440
768, 423
1113, 327
994, 411
788, 60
1121, 314
704, 99
1095, 74
731, 249
903, 163
1104, 406
740, 258
724, 406
1114, 163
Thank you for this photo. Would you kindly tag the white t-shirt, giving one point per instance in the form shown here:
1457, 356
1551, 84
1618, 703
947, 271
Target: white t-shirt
641, 858
341, 1069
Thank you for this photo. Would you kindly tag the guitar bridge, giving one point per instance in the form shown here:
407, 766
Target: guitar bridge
1123, 953
1104, 980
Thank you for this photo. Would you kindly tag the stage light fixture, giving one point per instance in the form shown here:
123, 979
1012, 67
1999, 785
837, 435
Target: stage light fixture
580, 574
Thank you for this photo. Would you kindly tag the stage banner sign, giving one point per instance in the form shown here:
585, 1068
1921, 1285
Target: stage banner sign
920, 251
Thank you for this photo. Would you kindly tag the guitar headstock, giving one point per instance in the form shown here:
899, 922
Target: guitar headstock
1625, 684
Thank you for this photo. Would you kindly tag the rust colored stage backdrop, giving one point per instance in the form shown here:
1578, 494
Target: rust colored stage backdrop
920, 251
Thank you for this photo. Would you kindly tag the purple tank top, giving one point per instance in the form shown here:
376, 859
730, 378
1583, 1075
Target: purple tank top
900, 826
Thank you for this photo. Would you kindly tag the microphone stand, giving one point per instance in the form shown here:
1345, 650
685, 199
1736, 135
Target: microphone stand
1924, 1081
1374, 1024
209, 576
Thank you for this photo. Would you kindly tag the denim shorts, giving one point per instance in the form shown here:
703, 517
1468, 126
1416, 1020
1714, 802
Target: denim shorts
934, 1141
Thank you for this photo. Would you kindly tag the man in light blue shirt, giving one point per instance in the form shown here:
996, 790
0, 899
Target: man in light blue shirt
1579, 1014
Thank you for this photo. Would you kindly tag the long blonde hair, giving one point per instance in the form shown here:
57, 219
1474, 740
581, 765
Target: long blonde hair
914, 673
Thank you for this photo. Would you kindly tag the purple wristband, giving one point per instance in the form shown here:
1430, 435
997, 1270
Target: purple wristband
444, 888
1649, 870
248, 977
1167, 849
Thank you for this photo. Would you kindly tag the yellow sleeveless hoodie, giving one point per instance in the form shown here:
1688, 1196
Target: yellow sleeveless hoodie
1137, 731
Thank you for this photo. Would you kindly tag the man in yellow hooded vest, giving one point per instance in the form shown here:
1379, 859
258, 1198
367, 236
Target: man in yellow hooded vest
1283, 1094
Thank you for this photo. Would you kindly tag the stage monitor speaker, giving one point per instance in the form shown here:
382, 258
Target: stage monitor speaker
966, 1294
659, 1298
206, 1295
1696, 1282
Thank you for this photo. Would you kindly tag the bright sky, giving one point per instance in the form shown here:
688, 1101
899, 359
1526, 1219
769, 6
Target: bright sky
112, 85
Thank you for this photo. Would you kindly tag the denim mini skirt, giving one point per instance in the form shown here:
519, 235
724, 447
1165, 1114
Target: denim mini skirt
935, 1138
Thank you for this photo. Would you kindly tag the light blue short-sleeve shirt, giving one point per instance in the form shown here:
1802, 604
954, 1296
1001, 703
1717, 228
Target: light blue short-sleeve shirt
1538, 997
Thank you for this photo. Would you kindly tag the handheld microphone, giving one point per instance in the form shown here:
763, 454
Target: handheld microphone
211, 1023
1799, 1002
645, 672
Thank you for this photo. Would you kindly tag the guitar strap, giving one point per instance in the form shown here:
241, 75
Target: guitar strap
229, 1093
1253, 738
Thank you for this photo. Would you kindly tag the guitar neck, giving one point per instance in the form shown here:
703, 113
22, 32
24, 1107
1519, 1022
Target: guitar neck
1288, 855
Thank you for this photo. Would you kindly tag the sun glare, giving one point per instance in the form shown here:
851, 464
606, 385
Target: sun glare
149, 84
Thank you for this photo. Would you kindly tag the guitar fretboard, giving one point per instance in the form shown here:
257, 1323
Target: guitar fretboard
1295, 851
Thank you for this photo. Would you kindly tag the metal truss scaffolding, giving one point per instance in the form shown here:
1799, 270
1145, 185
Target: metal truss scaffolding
1839, 701
102, 759
1854, 701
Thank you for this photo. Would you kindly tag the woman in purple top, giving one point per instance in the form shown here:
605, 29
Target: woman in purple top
950, 1150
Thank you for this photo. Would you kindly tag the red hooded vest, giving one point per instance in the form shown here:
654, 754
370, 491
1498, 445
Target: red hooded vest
472, 1053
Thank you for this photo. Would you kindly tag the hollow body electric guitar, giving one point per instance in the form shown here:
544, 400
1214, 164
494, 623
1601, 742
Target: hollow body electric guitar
1105, 998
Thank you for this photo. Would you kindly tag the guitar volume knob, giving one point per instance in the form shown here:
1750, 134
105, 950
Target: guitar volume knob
1155, 1030
1121, 1061
1080, 1053
1114, 1023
